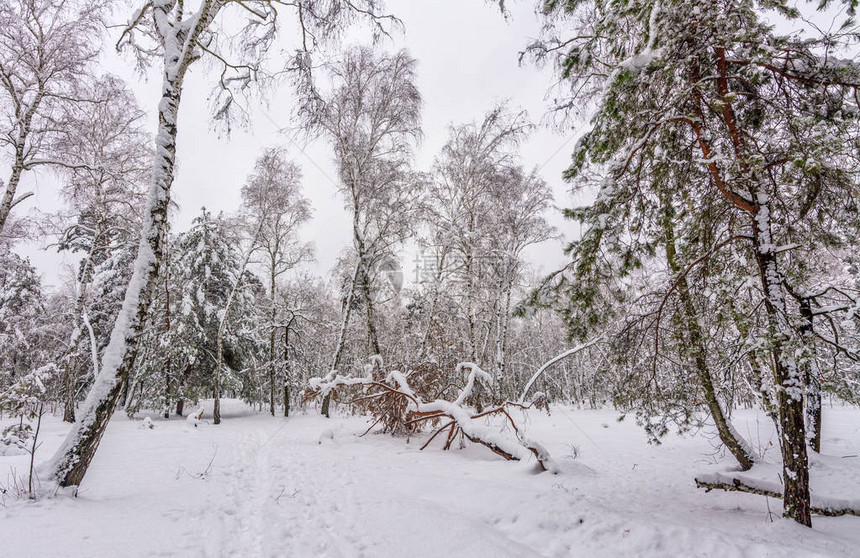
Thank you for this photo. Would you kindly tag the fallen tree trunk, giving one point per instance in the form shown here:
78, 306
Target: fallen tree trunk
737, 486
460, 420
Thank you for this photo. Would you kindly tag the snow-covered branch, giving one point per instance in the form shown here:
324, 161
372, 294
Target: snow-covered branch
456, 417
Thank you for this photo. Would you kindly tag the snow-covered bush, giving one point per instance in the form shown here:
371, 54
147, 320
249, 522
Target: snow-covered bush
26, 399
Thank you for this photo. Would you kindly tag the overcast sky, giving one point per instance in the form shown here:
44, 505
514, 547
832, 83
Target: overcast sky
467, 60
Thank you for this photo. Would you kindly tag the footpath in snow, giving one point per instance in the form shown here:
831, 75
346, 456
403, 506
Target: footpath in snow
306, 486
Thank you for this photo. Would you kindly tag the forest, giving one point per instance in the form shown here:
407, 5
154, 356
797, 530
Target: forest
697, 350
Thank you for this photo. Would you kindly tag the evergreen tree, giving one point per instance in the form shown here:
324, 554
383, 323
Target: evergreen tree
724, 149
21, 309
179, 350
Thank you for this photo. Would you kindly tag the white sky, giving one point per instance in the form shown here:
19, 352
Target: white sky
468, 60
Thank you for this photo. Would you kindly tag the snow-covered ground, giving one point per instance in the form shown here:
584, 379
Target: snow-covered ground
306, 486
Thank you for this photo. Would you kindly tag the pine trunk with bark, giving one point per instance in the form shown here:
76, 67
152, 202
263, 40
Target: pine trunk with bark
789, 384
812, 377
695, 339
787, 381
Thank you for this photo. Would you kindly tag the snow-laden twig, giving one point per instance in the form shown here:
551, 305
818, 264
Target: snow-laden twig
547, 364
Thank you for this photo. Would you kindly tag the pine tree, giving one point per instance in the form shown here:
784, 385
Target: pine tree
207, 264
737, 137
21, 306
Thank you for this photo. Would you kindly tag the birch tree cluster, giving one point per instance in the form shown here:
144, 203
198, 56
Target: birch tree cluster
154, 320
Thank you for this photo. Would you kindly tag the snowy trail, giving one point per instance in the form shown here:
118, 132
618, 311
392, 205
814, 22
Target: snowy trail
239, 513
258, 486
276, 503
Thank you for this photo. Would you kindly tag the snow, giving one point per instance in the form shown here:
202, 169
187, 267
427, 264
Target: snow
649, 54
195, 418
306, 486
474, 371
641, 60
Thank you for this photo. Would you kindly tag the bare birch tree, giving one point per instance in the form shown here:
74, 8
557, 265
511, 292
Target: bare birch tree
273, 196
467, 171
105, 154
46, 47
518, 221
372, 116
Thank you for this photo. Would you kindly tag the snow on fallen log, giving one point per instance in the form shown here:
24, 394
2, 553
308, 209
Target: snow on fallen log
455, 418
834, 483
195, 418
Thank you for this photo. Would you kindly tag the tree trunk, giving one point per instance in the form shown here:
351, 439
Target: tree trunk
180, 382
341, 338
813, 410
167, 371
272, 371
434, 303
127, 395
502, 320
287, 370
222, 326
70, 374
11, 188
69, 385
73, 458
363, 278
167, 398
9, 200
812, 378
216, 407
272, 333
787, 381
696, 340
372, 335
70, 377
787, 378
470, 306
